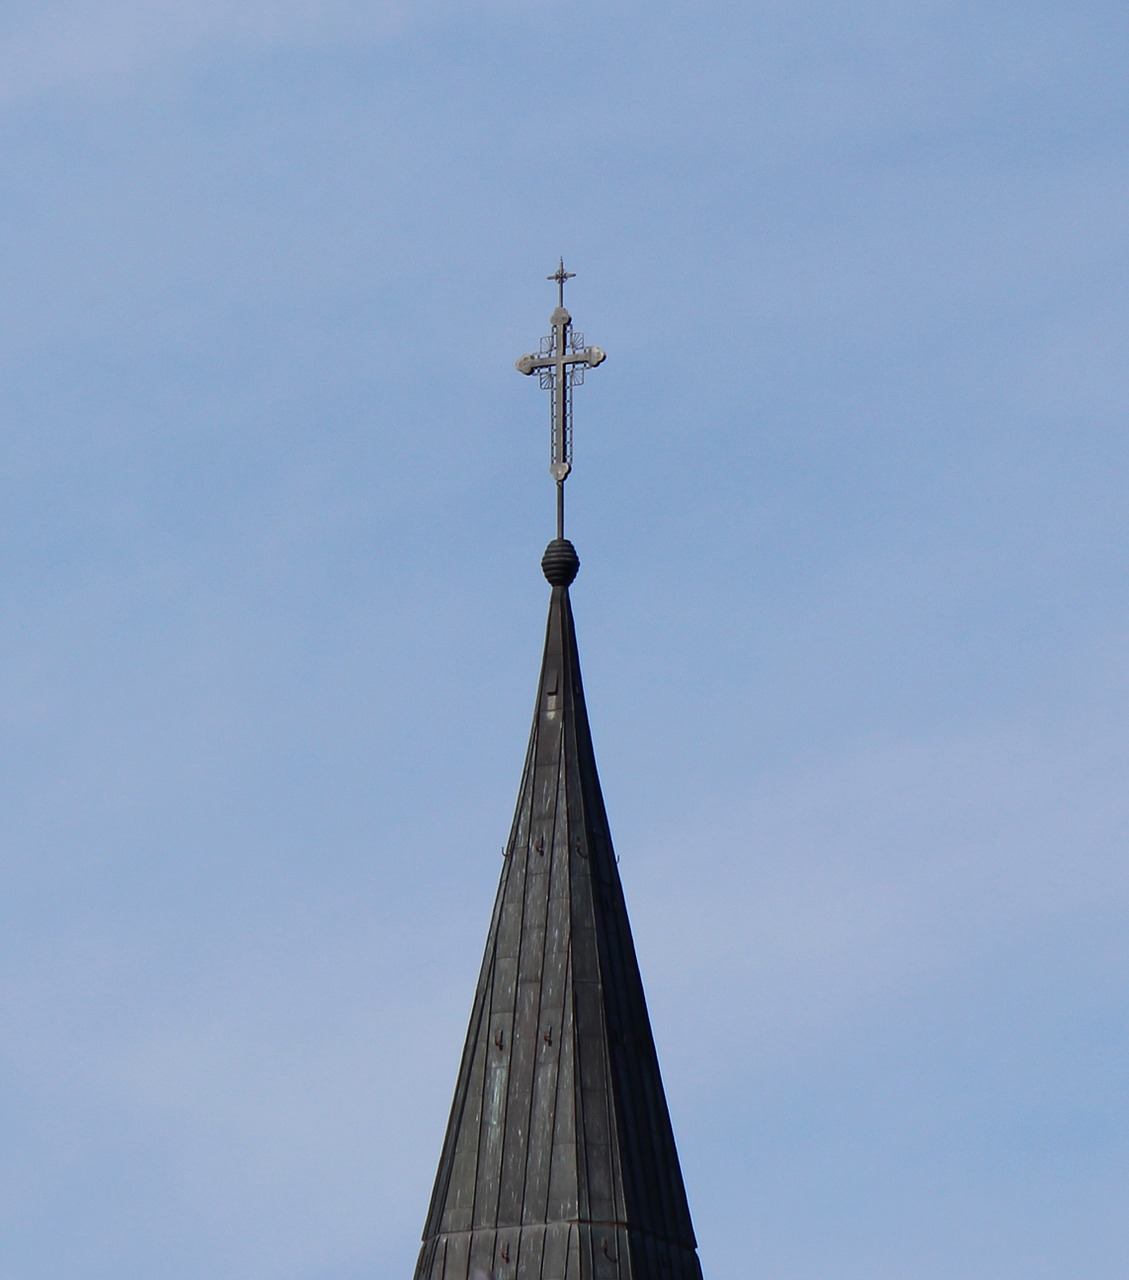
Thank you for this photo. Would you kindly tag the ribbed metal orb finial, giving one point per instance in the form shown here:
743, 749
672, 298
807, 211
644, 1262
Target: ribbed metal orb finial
560, 563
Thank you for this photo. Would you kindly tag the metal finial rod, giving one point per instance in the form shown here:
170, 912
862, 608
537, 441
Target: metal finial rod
560, 276
561, 363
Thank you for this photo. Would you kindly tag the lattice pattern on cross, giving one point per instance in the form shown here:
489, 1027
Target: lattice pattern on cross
561, 363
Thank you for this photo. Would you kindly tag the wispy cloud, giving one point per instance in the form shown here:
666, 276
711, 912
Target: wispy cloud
264, 1088
87, 44
836, 894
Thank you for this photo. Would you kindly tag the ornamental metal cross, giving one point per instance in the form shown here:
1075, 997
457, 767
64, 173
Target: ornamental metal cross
561, 363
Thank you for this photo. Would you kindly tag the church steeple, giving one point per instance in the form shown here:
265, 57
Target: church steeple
559, 1161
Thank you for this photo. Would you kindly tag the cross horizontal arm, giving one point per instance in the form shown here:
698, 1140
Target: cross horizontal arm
591, 356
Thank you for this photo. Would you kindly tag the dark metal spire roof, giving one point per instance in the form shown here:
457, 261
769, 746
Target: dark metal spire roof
559, 1161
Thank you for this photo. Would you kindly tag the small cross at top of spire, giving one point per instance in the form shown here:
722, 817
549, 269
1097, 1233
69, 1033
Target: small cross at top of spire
560, 276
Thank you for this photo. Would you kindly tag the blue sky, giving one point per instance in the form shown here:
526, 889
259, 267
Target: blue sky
849, 496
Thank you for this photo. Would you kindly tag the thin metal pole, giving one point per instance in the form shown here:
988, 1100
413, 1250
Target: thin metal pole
560, 508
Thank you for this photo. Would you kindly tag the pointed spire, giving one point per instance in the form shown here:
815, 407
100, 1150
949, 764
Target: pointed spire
559, 1161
